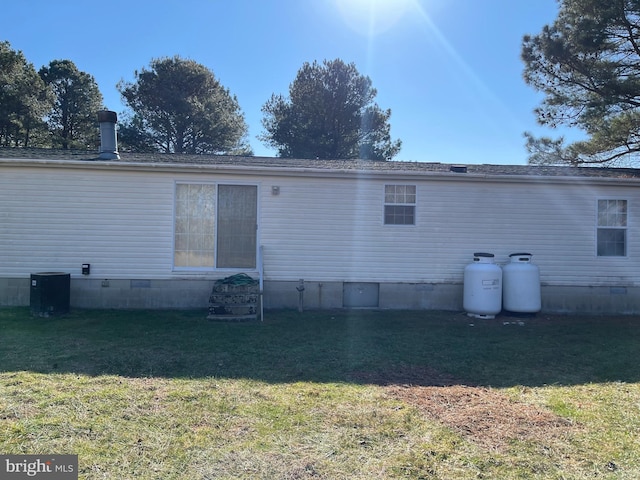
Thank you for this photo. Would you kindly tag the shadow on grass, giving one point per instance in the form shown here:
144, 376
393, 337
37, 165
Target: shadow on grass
421, 348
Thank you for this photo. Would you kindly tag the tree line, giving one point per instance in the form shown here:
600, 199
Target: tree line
177, 105
586, 64
54, 107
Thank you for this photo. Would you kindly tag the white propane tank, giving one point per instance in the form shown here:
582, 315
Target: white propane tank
521, 284
482, 287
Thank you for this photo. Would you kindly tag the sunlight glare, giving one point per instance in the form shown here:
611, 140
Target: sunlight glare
372, 17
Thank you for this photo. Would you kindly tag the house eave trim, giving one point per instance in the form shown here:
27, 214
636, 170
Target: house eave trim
281, 171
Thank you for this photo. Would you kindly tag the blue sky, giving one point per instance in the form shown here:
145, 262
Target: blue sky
449, 70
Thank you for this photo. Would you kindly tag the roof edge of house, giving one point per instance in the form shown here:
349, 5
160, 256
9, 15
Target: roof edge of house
266, 170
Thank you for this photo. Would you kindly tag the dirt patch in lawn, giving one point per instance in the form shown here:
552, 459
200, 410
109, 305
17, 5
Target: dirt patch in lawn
483, 415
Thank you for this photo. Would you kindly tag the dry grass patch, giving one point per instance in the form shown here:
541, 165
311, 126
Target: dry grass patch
483, 415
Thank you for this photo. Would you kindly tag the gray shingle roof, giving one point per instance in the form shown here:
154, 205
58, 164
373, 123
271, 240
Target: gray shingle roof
7, 153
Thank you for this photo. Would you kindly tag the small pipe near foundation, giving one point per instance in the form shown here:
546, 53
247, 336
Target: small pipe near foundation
300, 289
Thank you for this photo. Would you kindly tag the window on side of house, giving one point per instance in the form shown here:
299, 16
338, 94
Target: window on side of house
612, 228
399, 204
215, 226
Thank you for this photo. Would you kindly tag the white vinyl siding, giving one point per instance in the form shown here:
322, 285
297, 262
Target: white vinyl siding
56, 219
330, 230
319, 227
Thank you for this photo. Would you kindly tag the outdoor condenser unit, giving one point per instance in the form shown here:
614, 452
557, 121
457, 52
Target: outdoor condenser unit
50, 293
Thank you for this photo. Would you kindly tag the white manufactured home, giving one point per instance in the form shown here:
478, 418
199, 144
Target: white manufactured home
156, 231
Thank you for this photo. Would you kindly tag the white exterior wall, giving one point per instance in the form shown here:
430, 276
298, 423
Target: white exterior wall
325, 228
332, 230
57, 219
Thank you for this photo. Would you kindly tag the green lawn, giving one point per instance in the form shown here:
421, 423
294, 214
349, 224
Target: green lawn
323, 395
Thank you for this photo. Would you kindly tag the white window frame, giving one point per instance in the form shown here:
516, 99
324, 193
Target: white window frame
599, 227
386, 204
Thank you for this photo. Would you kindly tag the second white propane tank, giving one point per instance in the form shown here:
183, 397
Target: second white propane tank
521, 285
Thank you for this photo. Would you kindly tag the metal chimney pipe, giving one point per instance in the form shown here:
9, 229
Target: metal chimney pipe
108, 136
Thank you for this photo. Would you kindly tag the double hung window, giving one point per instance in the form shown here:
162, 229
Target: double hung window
399, 204
612, 228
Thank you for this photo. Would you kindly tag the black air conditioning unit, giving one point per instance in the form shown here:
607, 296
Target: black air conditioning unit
50, 293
